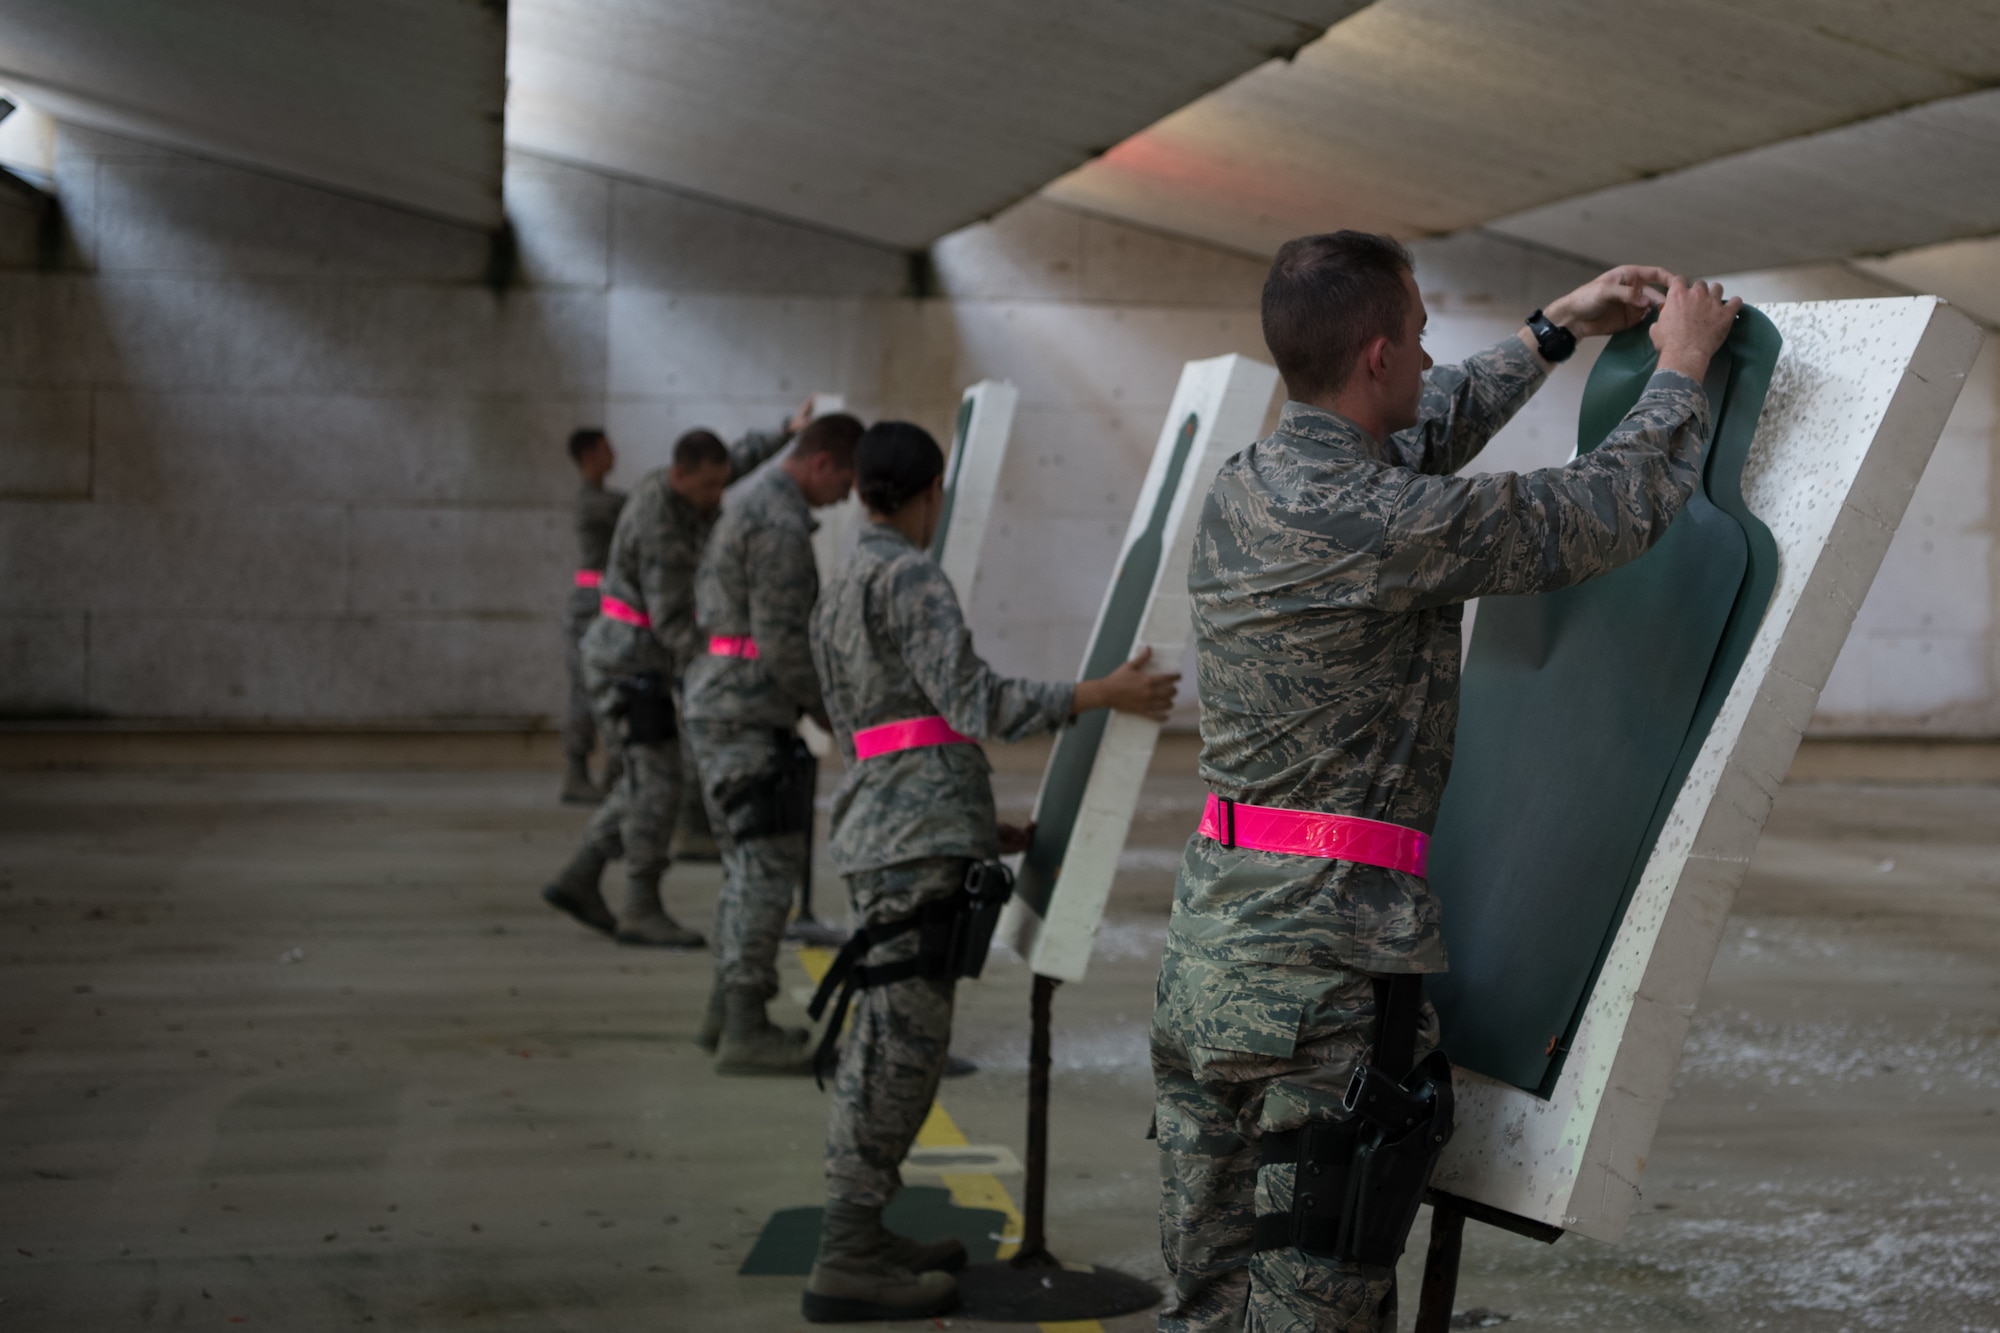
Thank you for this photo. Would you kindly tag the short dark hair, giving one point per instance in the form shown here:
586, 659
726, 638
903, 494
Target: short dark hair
894, 463
699, 449
1327, 297
835, 434
582, 440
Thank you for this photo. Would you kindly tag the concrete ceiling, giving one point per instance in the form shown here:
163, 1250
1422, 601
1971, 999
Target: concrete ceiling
397, 100
1424, 117
1910, 179
892, 120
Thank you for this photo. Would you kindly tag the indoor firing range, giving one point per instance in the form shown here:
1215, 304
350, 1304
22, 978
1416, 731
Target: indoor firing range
300, 303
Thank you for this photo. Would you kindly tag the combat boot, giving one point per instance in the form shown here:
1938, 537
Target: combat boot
644, 921
575, 891
752, 1044
577, 788
857, 1275
710, 1032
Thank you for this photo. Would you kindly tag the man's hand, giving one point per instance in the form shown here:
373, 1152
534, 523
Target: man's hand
1611, 302
800, 419
1693, 322
1130, 689
1015, 837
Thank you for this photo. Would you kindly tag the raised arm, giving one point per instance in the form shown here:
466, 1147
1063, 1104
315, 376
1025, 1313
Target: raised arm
757, 445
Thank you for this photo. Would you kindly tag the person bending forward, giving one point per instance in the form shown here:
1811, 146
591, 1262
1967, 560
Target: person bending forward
744, 695
909, 820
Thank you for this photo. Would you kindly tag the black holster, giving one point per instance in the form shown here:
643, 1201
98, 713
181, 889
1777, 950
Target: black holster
647, 707
1362, 1172
778, 800
956, 931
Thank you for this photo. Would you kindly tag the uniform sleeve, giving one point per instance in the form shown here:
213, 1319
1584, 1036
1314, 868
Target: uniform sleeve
784, 582
1449, 539
937, 648
754, 448
1465, 405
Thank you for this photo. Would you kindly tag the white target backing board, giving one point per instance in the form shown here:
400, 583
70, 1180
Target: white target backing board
1859, 397
972, 481
1091, 786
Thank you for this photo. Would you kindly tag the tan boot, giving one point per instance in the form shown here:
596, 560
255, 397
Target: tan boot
924, 1256
752, 1044
644, 921
856, 1276
710, 1032
575, 891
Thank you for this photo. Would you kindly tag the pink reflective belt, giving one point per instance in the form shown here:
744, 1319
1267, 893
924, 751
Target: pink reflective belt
589, 578
624, 611
1266, 828
911, 735
733, 645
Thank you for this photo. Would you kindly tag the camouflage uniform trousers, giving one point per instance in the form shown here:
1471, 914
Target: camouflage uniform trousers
636, 820
761, 872
894, 1052
1214, 1104
580, 727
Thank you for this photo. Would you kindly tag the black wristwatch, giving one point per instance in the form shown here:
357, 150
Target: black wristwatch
1555, 342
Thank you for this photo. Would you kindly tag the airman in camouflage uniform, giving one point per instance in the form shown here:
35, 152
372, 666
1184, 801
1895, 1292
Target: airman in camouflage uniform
891, 645
595, 515
1328, 578
754, 594
650, 571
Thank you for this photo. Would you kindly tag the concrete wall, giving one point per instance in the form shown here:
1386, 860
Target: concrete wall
272, 454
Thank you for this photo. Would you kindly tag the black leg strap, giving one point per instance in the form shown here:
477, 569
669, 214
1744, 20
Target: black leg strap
1399, 1001
847, 975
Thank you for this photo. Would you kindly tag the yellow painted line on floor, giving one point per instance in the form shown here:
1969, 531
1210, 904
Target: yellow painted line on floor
968, 1190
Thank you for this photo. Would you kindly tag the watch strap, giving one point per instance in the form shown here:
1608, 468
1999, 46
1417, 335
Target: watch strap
1555, 342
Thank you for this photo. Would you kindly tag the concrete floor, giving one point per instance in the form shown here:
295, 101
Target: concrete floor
303, 1051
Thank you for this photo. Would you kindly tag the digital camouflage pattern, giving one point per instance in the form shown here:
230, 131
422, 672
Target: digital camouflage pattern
1240, 1050
655, 549
891, 644
758, 578
655, 552
1328, 579
596, 515
761, 874
895, 1049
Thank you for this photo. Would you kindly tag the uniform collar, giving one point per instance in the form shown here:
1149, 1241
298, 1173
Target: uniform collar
884, 535
1328, 428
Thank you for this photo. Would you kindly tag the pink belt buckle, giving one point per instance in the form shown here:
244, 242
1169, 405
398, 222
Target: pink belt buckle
1269, 828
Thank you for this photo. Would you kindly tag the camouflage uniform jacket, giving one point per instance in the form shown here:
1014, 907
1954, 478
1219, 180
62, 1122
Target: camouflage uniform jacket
758, 579
891, 645
1327, 580
596, 516
651, 567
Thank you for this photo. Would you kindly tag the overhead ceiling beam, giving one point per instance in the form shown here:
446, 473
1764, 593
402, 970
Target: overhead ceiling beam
1427, 117
894, 121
